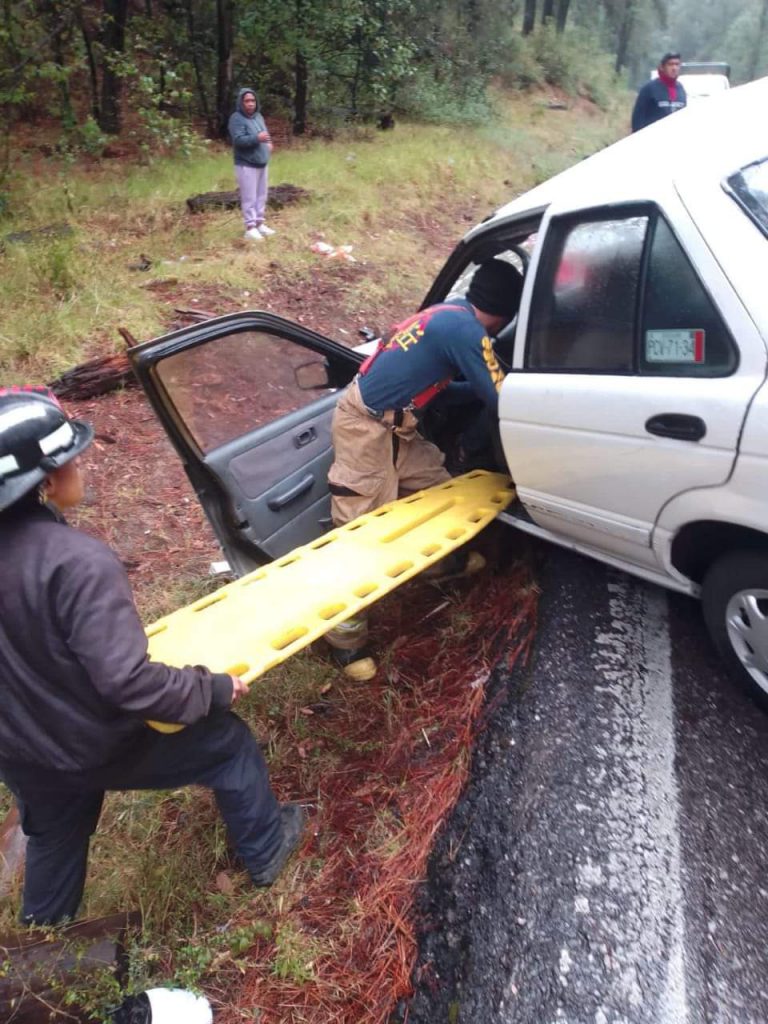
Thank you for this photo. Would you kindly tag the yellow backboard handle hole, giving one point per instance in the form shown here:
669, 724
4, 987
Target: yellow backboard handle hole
321, 543
430, 549
331, 611
365, 589
157, 628
456, 533
206, 602
289, 638
253, 578
286, 561
399, 569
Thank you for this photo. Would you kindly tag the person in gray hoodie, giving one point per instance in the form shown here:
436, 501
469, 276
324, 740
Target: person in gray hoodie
252, 148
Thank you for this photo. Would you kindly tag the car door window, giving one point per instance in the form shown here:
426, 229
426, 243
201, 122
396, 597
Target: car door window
619, 294
584, 304
224, 389
682, 334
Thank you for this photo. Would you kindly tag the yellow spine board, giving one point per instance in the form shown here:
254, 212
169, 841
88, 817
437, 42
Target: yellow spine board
249, 626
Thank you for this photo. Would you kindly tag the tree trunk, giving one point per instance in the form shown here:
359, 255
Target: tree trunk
115, 19
225, 15
205, 109
625, 34
93, 75
547, 10
529, 17
562, 14
301, 91
757, 50
66, 112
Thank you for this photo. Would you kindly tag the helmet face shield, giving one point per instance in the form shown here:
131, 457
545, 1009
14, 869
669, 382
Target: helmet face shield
36, 438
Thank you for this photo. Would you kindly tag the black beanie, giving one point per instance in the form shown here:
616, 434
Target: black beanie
496, 288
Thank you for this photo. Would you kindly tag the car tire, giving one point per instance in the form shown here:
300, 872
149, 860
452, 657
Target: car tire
735, 602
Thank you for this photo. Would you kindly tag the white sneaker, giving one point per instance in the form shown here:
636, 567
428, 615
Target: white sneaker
265, 231
254, 234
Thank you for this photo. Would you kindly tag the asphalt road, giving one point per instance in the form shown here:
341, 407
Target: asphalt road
609, 861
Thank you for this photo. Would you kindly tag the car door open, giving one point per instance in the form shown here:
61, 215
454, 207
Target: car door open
247, 401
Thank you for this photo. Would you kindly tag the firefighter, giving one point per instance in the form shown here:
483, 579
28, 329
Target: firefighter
76, 683
380, 454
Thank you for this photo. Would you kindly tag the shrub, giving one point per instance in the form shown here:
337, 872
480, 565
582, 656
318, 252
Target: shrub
571, 61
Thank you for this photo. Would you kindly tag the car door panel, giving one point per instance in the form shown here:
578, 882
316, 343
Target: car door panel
255, 441
278, 485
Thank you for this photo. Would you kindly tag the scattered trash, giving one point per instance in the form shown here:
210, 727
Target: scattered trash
219, 569
333, 252
163, 1006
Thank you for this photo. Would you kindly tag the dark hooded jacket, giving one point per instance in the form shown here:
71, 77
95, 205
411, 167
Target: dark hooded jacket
75, 680
243, 131
653, 103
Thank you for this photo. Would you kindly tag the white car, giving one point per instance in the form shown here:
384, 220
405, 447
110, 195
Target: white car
634, 417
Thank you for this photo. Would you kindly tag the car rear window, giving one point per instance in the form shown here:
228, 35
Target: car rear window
749, 187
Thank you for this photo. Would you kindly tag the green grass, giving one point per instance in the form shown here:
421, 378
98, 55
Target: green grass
63, 299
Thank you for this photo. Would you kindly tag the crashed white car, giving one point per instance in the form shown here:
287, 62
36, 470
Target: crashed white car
634, 417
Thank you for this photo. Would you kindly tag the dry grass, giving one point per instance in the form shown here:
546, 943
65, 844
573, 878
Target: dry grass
63, 299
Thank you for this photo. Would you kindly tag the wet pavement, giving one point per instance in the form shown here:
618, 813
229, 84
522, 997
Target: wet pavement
608, 863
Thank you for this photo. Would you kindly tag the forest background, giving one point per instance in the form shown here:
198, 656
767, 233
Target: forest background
168, 69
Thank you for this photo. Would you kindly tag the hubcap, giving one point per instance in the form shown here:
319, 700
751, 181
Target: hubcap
746, 619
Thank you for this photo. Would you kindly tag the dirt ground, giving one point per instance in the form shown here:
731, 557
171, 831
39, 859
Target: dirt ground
138, 497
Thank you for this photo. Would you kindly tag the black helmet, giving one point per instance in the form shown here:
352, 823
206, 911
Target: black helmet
36, 437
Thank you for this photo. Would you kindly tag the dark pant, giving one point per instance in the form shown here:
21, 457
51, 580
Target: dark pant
60, 810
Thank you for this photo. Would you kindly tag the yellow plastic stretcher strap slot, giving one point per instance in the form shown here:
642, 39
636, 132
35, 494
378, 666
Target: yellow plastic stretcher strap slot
249, 626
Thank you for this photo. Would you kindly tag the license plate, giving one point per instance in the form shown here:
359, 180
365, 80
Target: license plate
674, 346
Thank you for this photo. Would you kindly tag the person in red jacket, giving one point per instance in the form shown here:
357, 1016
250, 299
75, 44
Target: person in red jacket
76, 683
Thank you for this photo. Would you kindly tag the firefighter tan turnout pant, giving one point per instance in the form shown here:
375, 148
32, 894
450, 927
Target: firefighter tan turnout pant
376, 461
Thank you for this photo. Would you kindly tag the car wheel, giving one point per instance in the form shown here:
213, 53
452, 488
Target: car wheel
735, 602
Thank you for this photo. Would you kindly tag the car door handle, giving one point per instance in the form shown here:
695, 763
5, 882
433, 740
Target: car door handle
279, 502
304, 437
677, 425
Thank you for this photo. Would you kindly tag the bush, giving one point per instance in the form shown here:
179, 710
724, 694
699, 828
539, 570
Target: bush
570, 60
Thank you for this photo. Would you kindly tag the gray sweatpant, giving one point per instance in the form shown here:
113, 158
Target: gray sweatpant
253, 183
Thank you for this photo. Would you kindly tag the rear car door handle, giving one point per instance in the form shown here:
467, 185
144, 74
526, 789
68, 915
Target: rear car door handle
279, 502
677, 425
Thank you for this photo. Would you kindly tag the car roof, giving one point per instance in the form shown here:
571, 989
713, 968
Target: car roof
713, 139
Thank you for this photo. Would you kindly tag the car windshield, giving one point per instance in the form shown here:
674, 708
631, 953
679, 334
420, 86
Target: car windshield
749, 187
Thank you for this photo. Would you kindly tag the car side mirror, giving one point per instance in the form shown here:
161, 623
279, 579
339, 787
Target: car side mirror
312, 376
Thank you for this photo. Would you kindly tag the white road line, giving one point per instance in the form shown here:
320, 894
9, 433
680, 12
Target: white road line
628, 890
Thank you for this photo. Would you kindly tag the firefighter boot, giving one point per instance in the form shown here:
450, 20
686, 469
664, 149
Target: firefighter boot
455, 566
348, 643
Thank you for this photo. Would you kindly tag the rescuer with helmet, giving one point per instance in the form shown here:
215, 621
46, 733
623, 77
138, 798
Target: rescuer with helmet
76, 683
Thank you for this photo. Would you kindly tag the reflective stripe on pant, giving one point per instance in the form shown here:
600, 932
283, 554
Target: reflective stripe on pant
364, 474
60, 810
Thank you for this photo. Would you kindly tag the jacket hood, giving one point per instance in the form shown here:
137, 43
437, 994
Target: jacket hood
239, 104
